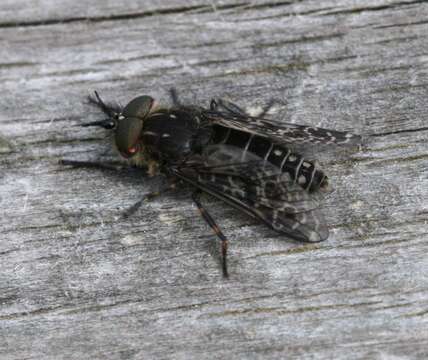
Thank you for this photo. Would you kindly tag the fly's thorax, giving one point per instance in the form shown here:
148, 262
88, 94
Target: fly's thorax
174, 134
159, 135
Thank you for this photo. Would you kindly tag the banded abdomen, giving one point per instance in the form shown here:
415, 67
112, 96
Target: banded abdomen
300, 170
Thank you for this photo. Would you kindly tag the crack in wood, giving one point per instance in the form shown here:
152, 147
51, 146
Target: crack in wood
403, 131
127, 16
106, 18
359, 10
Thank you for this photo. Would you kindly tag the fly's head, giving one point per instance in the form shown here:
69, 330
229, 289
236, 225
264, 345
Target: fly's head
127, 123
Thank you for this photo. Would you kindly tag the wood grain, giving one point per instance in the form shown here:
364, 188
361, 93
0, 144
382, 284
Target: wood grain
79, 282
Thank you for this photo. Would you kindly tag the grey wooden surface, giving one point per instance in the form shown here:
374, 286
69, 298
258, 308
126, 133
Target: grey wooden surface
79, 282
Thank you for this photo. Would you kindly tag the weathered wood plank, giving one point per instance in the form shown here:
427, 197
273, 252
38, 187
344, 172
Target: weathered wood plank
77, 281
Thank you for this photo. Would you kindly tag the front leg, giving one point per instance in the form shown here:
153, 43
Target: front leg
148, 197
111, 110
92, 165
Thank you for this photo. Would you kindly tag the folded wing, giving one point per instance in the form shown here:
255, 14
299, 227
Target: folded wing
257, 188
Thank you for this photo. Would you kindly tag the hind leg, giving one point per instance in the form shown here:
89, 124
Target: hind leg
210, 221
235, 110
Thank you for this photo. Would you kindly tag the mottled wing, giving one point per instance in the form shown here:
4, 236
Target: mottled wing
229, 115
258, 189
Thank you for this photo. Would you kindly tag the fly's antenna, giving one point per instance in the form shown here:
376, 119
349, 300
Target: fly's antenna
111, 110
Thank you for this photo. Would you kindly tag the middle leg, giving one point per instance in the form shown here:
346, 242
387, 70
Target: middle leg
210, 221
147, 197
92, 165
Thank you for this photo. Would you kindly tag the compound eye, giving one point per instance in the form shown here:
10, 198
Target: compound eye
127, 136
133, 149
139, 107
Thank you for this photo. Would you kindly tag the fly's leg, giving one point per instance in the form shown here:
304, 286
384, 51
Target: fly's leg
111, 110
174, 97
111, 166
92, 165
210, 221
266, 108
235, 110
231, 108
146, 198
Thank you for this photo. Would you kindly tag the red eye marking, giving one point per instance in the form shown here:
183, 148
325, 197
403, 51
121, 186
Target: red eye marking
133, 150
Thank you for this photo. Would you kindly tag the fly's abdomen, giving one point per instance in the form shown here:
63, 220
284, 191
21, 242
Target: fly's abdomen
300, 170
